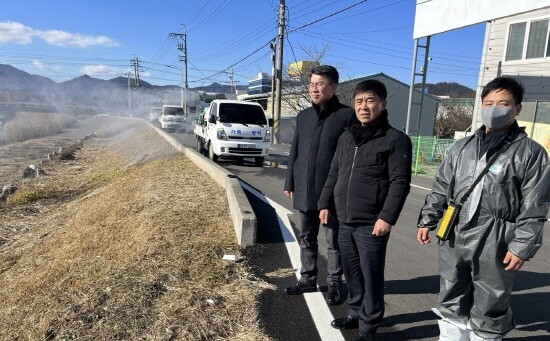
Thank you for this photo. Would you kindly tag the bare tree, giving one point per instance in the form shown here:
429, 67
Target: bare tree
295, 90
453, 116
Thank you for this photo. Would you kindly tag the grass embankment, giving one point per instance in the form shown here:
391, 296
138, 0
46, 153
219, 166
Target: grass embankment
122, 244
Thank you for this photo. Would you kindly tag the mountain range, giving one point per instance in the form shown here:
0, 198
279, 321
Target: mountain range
19, 86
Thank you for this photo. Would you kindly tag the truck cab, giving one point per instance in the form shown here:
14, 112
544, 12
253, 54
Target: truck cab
231, 128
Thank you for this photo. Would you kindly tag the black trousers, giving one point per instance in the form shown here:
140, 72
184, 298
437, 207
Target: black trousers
363, 261
309, 248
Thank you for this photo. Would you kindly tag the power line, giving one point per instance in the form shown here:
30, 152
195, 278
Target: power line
252, 53
220, 8
198, 12
328, 16
367, 11
310, 6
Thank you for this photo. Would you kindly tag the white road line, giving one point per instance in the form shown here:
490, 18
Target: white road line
285, 153
427, 189
315, 300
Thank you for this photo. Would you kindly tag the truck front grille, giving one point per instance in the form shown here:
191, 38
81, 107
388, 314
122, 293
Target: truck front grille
246, 151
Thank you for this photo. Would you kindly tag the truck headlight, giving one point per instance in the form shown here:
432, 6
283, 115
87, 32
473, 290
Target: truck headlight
267, 136
221, 134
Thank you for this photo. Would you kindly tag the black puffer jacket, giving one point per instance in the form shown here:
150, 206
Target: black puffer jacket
313, 147
370, 174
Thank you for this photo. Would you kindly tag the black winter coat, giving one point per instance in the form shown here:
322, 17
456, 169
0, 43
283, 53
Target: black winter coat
370, 175
313, 147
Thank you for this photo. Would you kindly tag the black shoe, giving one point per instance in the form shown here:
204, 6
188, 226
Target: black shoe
333, 295
301, 287
365, 336
347, 322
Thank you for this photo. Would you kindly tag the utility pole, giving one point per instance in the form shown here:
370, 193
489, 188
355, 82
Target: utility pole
273, 68
279, 68
230, 75
129, 96
135, 64
183, 58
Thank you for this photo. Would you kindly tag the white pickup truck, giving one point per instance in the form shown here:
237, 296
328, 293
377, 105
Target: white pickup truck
236, 129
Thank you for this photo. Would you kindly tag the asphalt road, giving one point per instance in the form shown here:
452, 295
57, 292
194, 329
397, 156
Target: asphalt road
411, 270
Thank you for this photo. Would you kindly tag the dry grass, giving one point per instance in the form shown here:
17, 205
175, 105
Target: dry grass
26, 125
123, 243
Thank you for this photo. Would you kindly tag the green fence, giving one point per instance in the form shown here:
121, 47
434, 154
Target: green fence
428, 152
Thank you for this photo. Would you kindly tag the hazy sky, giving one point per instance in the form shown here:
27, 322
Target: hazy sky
63, 39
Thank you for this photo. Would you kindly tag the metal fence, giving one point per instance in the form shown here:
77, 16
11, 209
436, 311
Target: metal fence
428, 152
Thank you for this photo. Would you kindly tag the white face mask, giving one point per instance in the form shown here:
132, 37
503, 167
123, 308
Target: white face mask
496, 117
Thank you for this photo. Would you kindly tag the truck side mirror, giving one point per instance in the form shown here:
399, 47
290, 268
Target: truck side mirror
211, 119
270, 122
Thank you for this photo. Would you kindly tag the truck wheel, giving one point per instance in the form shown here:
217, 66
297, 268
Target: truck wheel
200, 146
258, 161
211, 155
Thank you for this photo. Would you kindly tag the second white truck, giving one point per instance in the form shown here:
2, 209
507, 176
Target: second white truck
237, 129
172, 118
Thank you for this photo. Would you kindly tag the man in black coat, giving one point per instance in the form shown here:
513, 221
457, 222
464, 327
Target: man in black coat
317, 131
369, 180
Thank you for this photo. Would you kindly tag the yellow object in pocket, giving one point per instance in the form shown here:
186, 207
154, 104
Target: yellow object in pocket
450, 218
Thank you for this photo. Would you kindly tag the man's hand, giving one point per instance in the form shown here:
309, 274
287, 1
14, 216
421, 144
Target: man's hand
381, 228
289, 194
422, 235
512, 262
324, 215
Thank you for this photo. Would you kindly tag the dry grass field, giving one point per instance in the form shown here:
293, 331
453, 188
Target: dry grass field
123, 243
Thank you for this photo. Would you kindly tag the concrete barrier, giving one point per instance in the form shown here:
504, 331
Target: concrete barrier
242, 215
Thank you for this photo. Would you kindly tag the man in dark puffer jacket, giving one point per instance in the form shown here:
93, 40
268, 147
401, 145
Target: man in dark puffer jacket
369, 180
317, 131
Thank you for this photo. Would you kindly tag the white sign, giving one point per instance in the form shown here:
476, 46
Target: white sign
436, 16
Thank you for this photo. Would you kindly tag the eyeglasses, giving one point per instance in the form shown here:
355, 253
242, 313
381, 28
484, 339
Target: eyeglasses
318, 85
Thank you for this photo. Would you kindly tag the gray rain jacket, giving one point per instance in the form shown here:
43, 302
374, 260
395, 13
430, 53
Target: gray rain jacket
513, 199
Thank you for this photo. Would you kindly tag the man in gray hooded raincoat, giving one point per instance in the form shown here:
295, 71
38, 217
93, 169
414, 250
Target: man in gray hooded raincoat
500, 224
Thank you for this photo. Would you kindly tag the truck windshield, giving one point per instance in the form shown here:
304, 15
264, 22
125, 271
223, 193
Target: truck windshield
173, 111
242, 113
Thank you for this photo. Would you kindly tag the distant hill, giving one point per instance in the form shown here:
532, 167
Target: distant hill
16, 80
217, 87
452, 89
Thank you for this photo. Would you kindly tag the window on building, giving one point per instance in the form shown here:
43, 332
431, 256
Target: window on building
528, 40
516, 36
538, 33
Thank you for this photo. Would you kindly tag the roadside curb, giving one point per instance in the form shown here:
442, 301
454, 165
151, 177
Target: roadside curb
242, 215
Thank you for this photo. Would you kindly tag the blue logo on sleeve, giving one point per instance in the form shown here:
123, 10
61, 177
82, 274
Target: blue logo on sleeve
496, 168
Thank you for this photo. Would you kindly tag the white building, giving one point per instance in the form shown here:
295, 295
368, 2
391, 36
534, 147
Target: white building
518, 46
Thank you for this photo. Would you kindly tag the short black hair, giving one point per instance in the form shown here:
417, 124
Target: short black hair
327, 71
509, 84
371, 85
